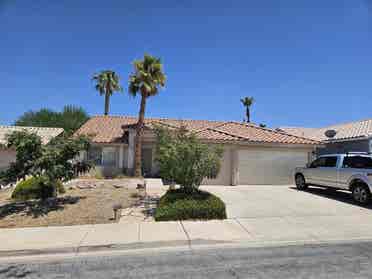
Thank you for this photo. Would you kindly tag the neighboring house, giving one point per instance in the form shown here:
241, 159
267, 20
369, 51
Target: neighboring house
252, 155
9, 155
349, 137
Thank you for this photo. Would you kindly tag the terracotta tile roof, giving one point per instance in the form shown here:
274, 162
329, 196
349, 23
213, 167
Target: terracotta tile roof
46, 134
109, 129
352, 130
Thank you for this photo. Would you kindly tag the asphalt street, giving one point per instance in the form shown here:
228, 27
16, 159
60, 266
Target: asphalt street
310, 261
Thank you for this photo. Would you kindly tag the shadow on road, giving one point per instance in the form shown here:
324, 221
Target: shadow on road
338, 195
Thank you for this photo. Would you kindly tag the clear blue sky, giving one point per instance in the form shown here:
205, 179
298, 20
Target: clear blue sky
307, 63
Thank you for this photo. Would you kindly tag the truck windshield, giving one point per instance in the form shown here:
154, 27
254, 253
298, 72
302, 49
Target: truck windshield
358, 162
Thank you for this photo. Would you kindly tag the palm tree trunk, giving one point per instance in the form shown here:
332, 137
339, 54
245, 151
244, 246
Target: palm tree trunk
248, 115
138, 147
107, 103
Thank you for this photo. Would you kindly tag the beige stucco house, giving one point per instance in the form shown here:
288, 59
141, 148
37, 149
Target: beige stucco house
9, 155
252, 155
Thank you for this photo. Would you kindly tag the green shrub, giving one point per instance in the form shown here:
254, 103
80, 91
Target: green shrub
36, 188
182, 158
60, 188
180, 205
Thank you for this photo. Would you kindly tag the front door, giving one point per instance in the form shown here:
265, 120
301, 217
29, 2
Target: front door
147, 162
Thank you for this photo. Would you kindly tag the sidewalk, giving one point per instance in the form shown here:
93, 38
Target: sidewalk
129, 235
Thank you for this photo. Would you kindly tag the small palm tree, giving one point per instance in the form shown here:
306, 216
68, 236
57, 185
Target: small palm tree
107, 82
247, 102
146, 80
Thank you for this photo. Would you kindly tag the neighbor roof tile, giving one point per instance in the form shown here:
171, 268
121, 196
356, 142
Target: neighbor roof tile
45, 133
352, 130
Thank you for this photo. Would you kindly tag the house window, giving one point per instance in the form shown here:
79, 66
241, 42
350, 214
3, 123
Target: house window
109, 156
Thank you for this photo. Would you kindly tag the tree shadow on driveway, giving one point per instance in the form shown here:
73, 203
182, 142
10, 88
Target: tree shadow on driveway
37, 208
338, 195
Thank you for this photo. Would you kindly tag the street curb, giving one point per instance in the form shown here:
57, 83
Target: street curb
34, 252
195, 244
107, 247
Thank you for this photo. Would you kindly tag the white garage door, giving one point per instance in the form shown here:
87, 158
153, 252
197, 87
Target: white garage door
269, 166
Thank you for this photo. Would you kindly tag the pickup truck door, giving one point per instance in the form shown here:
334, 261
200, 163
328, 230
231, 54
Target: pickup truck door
323, 171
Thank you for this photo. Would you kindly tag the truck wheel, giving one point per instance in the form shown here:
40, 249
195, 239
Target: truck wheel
300, 182
361, 194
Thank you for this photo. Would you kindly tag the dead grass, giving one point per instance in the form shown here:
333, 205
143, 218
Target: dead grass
75, 207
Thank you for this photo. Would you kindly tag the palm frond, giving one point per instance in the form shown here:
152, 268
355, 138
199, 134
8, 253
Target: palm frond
147, 77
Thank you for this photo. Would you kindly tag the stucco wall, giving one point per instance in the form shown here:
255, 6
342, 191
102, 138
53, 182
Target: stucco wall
346, 146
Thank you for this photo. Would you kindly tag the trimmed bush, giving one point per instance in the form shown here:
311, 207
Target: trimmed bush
180, 205
35, 188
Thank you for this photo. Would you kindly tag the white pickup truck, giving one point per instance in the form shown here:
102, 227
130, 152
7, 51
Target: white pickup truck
351, 171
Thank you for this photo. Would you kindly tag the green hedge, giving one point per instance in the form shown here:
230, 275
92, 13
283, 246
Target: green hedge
35, 188
179, 205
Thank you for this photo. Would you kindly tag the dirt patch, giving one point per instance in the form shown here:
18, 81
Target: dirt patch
78, 206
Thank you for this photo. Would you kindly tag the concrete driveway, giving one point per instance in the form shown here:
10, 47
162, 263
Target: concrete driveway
285, 201
281, 213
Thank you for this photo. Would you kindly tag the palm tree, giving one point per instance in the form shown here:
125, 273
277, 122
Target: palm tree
147, 78
107, 82
247, 102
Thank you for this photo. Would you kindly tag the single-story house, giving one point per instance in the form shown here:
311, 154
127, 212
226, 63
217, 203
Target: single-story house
8, 155
342, 138
252, 154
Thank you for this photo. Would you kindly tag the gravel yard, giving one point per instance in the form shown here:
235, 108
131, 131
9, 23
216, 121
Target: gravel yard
85, 202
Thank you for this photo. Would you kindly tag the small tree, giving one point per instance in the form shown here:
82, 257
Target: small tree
183, 159
28, 149
54, 161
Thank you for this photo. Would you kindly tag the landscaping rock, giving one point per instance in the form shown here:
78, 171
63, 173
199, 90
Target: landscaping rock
118, 186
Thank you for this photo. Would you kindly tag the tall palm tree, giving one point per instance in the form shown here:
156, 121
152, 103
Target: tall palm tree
107, 82
247, 102
146, 80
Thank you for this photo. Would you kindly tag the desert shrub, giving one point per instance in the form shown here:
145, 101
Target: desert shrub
36, 188
183, 159
180, 205
33, 188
